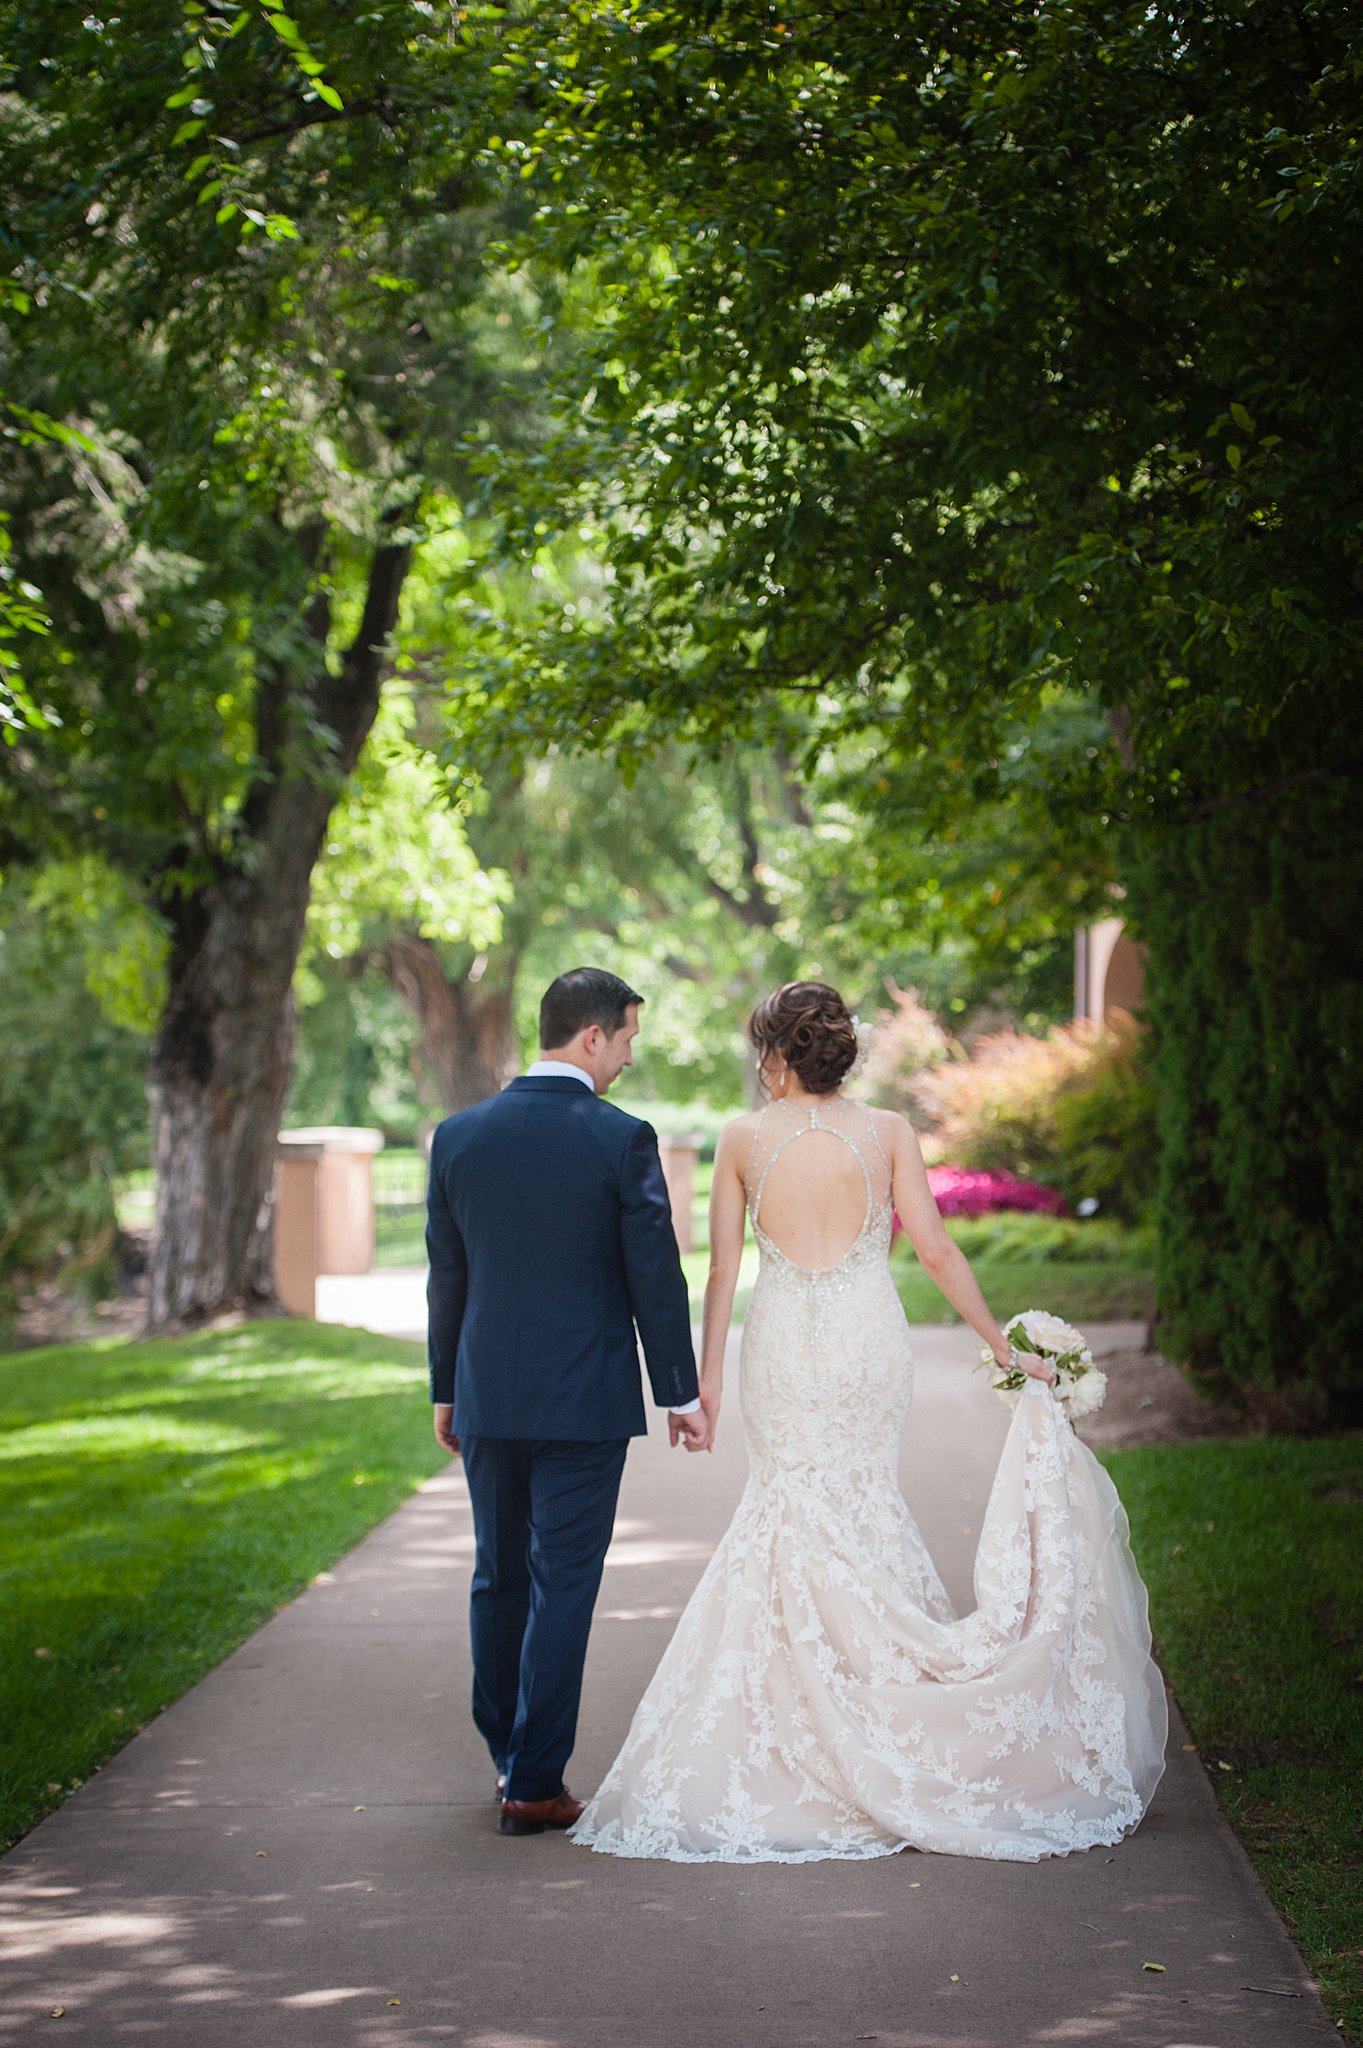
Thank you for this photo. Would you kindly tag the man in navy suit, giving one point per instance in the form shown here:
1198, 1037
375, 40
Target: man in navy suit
551, 1243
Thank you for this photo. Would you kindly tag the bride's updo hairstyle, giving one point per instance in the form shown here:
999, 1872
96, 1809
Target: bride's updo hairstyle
808, 1024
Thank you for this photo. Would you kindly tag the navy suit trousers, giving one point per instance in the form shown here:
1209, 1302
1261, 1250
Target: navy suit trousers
543, 1511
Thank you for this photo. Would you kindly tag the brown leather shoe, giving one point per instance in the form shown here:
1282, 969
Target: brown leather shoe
533, 1816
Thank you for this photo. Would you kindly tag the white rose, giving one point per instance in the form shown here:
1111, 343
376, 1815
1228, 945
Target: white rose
1084, 1395
1045, 1333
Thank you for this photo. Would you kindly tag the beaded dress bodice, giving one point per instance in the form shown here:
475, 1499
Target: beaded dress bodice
829, 1337
819, 1697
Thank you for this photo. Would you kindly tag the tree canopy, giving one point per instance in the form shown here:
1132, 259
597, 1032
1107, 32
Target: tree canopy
955, 360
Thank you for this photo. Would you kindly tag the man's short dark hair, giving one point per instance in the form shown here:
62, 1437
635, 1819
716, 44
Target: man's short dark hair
583, 996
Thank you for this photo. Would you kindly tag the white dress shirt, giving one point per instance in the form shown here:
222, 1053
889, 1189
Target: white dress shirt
565, 1070
560, 1070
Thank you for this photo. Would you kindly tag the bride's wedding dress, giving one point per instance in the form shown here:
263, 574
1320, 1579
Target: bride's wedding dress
820, 1698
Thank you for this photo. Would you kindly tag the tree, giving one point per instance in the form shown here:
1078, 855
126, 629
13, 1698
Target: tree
961, 364
260, 298
685, 878
399, 885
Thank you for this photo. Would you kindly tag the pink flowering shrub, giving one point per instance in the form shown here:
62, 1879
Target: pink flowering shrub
997, 1108
963, 1191
1049, 1124
1074, 1110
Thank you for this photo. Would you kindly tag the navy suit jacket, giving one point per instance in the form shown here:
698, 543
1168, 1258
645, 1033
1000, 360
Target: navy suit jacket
550, 1239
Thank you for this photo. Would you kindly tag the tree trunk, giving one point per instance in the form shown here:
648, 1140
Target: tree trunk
468, 1030
218, 1073
221, 1059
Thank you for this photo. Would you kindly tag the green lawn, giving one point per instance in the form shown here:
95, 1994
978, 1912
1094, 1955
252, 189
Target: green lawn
1253, 1553
158, 1501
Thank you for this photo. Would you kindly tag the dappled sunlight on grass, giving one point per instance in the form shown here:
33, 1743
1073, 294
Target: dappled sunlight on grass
159, 1500
96, 1436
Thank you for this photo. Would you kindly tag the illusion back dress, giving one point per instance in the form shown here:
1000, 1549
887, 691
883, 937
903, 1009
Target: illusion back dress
820, 1698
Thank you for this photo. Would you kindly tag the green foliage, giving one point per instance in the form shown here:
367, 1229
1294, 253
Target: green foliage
270, 391
397, 853
72, 1109
91, 908
1030, 1240
357, 1057
1105, 1129
168, 376
22, 611
1074, 1109
685, 879
953, 364
704, 879
1255, 992
983, 866
1252, 1556
1087, 1272
400, 1176
159, 1501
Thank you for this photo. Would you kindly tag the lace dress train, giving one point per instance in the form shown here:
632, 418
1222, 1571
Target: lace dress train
819, 1697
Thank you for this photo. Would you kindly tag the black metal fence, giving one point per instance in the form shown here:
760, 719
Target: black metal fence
400, 1208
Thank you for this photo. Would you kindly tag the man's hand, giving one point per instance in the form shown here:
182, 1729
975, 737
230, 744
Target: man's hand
693, 1430
444, 1428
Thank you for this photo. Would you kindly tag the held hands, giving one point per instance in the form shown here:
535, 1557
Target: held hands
444, 1428
693, 1430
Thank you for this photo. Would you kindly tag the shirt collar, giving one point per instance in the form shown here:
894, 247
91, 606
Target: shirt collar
559, 1070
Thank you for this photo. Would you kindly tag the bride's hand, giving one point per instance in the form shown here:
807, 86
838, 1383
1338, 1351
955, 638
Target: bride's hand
1036, 1367
709, 1401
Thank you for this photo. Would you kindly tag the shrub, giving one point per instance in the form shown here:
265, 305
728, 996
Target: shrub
1254, 919
966, 1191
1106, 1128
72, 1113
1073, 1110
1054, 1240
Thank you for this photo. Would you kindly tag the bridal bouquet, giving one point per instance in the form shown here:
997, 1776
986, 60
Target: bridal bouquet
1080, 1387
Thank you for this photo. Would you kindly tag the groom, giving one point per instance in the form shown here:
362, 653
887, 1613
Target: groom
551, 1241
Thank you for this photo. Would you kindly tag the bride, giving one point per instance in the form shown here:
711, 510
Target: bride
820, 1698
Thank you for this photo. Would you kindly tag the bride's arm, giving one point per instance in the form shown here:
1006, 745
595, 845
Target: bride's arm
727, 1213
939, 1255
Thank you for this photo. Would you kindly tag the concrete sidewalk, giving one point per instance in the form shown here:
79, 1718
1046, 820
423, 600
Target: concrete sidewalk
302, 1852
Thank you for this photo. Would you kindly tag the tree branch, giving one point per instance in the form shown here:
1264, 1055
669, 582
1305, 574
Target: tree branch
347, 702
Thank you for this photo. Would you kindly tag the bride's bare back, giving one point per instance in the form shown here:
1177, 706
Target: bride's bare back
815, 1175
